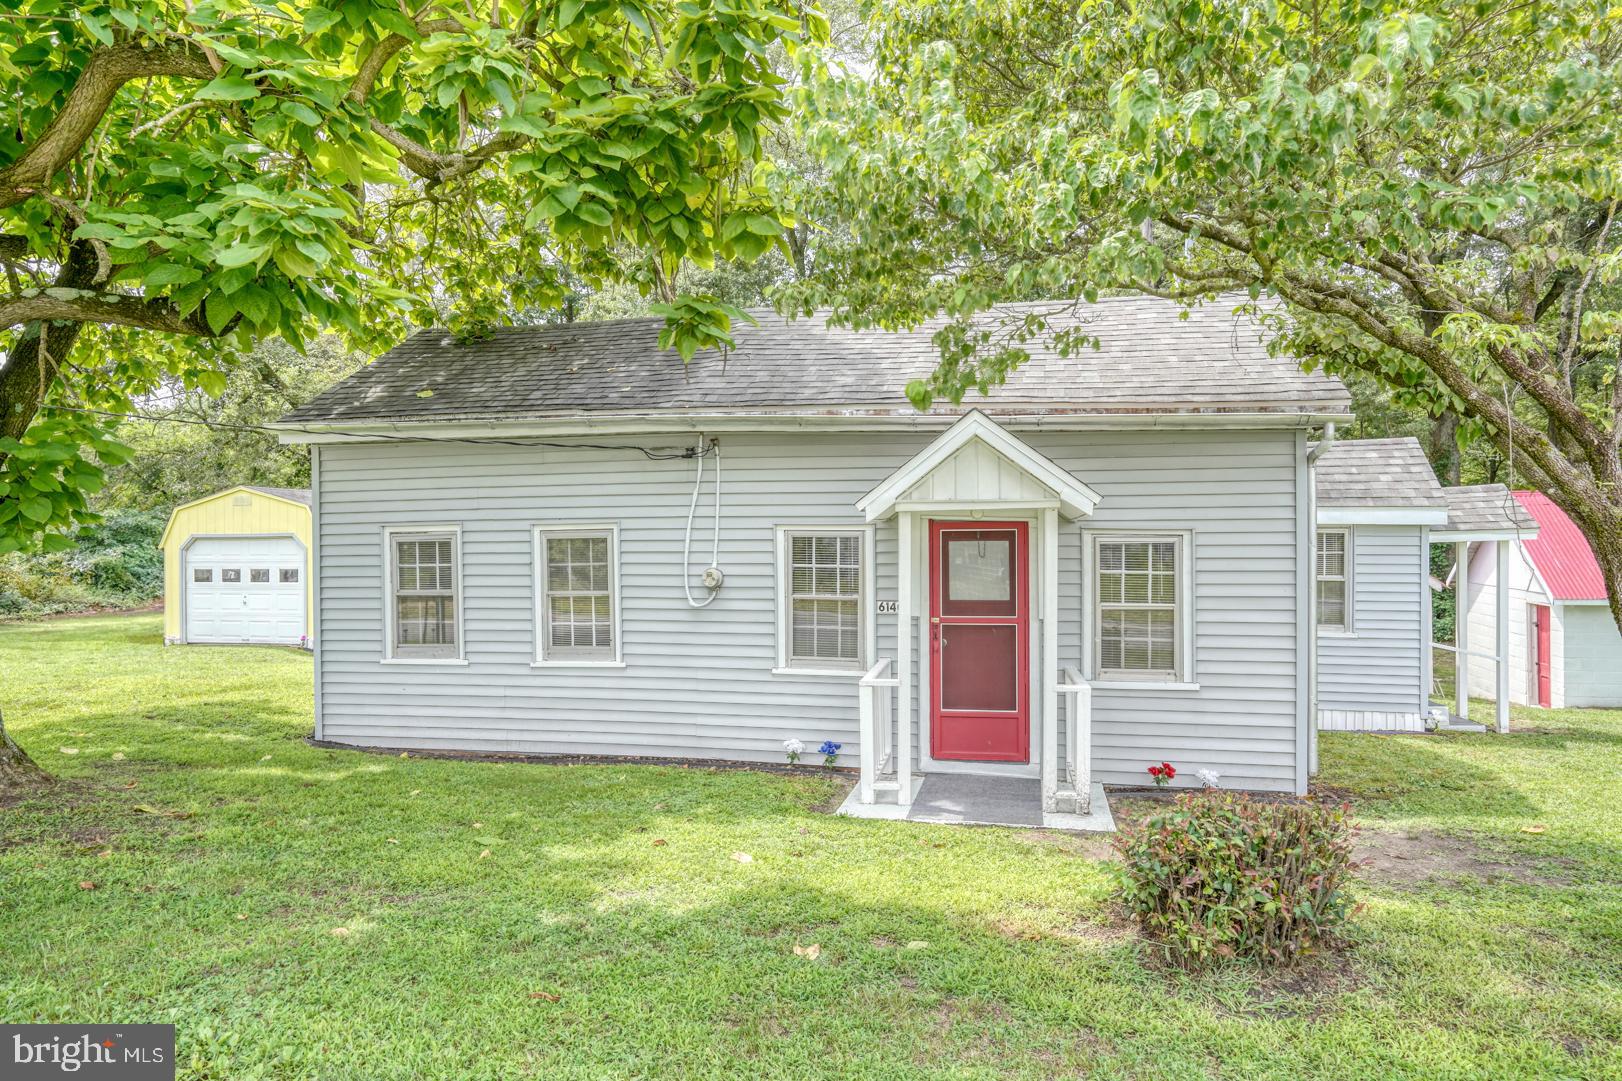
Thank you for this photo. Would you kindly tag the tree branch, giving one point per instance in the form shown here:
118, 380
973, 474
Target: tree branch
104, 74
93, 306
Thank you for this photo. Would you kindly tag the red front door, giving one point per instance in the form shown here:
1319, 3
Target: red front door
1540, 617
979, 642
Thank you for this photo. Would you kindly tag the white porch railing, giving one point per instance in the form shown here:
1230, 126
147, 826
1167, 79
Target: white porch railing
1067, 776
882, 772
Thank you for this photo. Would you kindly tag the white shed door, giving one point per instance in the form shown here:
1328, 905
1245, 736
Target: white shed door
245, 589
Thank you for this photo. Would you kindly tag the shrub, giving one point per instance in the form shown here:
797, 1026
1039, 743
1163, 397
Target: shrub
117, 564
1222, 875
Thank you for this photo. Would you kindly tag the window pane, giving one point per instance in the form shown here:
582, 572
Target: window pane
1331, 604
259, 574
1332, 555
827, 566
425, 621
825, 630
980, 567
230, 575
202, 574
289, 574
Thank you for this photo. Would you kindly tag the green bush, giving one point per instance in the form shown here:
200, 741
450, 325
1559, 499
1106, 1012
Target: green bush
116, 565
1221, 875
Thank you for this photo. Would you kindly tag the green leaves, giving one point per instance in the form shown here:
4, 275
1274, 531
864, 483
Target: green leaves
277, 184
228, 88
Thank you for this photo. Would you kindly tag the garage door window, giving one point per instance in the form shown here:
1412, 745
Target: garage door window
259, 574
202, 574
289, 574
230, 575
424, 603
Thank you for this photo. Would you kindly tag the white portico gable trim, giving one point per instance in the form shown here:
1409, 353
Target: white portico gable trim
977, 471
1063, 491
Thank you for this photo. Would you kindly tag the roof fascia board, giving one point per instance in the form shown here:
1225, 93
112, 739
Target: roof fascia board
675, 422
1454, 536
1415, 516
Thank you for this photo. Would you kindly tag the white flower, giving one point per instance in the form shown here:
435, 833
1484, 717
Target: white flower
1209, 777
793, 746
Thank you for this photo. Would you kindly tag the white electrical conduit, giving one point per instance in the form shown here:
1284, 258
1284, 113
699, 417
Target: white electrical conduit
692, 511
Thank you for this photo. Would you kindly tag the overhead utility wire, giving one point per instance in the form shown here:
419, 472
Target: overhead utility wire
652, 455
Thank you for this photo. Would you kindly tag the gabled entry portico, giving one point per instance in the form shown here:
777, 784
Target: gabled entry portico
977, 677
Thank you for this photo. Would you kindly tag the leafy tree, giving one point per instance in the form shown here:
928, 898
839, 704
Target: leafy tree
180, 178
198, 443
1431, 191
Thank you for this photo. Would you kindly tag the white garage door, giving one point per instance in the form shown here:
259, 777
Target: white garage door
245, 589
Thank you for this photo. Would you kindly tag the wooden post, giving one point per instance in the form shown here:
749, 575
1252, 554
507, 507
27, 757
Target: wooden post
868, 726
1049, 677
903, 661
1461, 632
1501, 647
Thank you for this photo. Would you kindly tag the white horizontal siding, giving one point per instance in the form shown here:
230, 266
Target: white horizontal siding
698, 682
1592, 655
1377, 667
1525, 591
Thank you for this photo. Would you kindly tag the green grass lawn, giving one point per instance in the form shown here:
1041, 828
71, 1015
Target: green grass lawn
310, 913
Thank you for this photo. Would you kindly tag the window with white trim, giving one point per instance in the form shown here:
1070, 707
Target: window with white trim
1138, 607
823, 607
424, 582
578, 594
1333, 609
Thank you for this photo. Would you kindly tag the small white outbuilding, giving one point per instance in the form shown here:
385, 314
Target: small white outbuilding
1564, 648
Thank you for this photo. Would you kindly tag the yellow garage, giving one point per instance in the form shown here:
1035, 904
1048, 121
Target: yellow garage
236, 568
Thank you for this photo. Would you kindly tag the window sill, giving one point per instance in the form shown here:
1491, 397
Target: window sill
851, 674
1326, 632
577, 664
1143, 685
454, 661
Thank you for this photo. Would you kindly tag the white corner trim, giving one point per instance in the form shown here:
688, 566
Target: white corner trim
1075, 498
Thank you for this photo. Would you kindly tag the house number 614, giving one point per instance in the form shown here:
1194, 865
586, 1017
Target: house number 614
889, 608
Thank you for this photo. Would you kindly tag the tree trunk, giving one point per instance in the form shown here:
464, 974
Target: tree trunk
16, 768
1445, 447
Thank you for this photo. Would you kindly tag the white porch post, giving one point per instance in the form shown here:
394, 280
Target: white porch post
1048, 679
903, 663
1501, 618
1461, 631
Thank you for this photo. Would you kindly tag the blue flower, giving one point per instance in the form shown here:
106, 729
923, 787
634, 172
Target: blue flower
829, 747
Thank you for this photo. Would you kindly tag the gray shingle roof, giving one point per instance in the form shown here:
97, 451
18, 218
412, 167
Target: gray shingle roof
1150, 360
1486, 508
297, 495
1377, 473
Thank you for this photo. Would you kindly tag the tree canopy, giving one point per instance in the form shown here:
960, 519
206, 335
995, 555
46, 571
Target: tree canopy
1431, 191
181, 179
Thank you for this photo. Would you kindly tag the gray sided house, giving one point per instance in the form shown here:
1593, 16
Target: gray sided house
558, 540
1379, 508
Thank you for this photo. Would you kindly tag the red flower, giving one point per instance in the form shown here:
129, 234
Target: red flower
1168, 769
